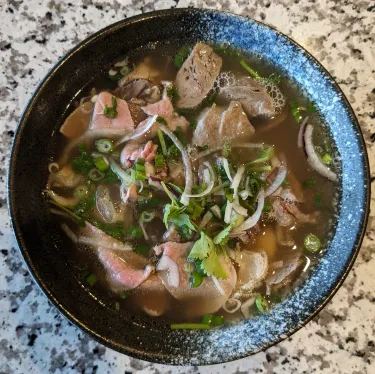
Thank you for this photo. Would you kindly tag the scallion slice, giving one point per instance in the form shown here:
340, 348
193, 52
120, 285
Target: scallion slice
261, 304
96, 175
147, 216
101, 163
81, 191
189, 326
104, 145
162, 142
312, 243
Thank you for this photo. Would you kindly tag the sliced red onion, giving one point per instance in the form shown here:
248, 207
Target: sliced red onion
218, 285
138, 131
228, 212
280, 177
187, 162
206, 218
236, 304
239, 209
238, 145
301, 132
168, 265
252, 221
313, 159
70, 234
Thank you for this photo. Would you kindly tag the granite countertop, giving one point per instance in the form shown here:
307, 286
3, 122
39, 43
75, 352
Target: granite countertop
34, 337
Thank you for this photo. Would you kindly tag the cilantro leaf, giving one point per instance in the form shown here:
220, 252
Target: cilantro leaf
83, 163
111, 112
182, 219
223, 236
172, 211
212, 266
202, 247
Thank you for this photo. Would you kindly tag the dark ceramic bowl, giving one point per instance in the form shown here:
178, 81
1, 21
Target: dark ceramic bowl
45, 249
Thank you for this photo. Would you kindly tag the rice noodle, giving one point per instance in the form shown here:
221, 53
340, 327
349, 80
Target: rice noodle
226, 168
187, 162
280, 177
64, 201
313, 159
70, 234
170, 266
53, 165
113, 244
218, 285
206, 218
89, 135
301, 132
238, 145
138, 131
237, 305
252, 221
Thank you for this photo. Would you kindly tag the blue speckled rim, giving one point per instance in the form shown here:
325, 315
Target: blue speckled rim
248, 337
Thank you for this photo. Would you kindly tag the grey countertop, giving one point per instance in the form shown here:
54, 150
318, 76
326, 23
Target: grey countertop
34, 337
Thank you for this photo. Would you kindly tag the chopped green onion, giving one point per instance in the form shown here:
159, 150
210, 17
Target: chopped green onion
123, 294
312, 243
217, 321
132, 176
159, 161
296, 111
172, 93
117, 306
189, 326
79, 219
104, 145
193, 124
311, 108
267, 207
327, 159
145, 191
251, 71
135, 232
168, 193
96, 175
149, 203
162, 142
261, 304
229, 194
258, 169
101, 163
140, 161
91, 279
111, 112
147, 216
207, 319
196, 279
140, 176
81, 191
125, 70
181, 56
308, 183
162, 120
227, 148
175, 187
139, 167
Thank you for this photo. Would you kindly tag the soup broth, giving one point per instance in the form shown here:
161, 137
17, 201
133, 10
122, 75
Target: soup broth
195, 184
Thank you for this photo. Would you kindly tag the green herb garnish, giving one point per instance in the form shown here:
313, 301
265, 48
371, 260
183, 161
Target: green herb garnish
111, 112
83, 163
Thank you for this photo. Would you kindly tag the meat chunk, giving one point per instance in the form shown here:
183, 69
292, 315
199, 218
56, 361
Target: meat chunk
139, 89
78, 121
143, 70
132, 151
125, 268
253, 97
123, 119
197, 76
206, 298
217, 125
253, 269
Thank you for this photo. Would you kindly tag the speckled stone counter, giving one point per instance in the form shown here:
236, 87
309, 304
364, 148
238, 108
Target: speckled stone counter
34, 337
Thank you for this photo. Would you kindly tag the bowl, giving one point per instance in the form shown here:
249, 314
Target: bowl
44, 248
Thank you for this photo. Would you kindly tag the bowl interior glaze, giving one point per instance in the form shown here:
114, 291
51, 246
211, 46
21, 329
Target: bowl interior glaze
44, 247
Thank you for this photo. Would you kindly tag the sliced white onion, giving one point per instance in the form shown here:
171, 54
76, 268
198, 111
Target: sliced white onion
168, 265
252, 221
206, 218
219, 148
218, 285
64, 201
239, 209
203, 193
228, 212
210, 169
154, 182
206, 176
70, 234
236, 304
226, 168
187, 162
112, 72
138, 131
308, 262
244, 194
141, 189
301, 132
94, 98
142, 226
313, 159
245, 307
121, 173
216, 211
280, 177
236, 180
108, 244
